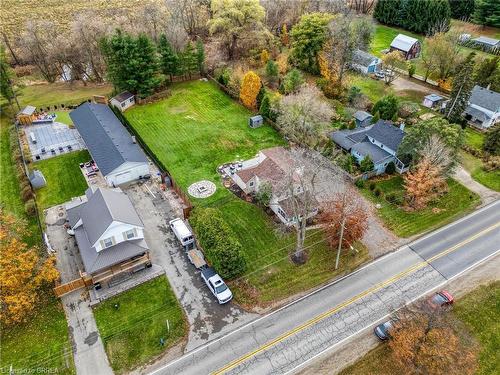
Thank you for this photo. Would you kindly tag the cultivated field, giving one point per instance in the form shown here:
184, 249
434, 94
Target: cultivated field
194, 131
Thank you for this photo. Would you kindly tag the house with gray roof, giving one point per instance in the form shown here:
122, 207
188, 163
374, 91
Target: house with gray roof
364, 62
483, 110
114, 150
109, 234
408, 46
379, 141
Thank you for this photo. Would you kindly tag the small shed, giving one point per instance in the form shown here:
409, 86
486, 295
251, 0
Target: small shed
27, 115
362, 118
408, 46
486, 43
255, 121
432, 101
123, 101
364, 62
37, 179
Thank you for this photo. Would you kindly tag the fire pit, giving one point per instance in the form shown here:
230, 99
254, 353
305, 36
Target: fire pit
202, 189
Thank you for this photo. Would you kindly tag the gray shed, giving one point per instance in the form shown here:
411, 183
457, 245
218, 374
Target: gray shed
255, 121
37, 179
362, 118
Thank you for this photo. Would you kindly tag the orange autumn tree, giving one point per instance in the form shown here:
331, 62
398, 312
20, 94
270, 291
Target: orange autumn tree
23, 274
285, 39
430, 342
344, 207
264, 57
250, 88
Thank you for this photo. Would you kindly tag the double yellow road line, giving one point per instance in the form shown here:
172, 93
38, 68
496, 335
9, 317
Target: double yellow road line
350, 301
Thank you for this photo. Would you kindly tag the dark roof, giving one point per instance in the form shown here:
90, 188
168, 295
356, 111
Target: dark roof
485, 98
363, 58
362, 115
367, 148
387, 134
403, 42
94, 261
477, 113
109, 143
102, 208
123, 96
347, 138
37, 179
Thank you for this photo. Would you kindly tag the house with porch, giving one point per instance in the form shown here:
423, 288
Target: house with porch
272, 167
109, 235
379, 141
483, 110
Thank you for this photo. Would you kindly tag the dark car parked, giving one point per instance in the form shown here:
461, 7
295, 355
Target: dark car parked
382, 331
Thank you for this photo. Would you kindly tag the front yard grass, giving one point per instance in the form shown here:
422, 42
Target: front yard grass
478, 310
63, 176
132, 324
474, 166
195, 130
474, 138
41, 343
457, 202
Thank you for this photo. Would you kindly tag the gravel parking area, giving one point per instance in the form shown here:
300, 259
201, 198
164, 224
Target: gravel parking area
208, 320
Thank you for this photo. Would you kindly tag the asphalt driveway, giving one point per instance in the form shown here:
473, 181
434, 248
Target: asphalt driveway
208, 320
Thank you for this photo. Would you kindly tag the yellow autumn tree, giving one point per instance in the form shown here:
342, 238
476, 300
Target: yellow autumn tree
285, 39
250, 87
23, 274
264, 56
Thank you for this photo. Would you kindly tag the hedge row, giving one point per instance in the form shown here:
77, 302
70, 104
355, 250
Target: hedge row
222, 248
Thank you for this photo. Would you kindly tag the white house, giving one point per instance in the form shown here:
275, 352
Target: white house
483, 110
365, 63
118, 156
109, 234
271, 166
123, 101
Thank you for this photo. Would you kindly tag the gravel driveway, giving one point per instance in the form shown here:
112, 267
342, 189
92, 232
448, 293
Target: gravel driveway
208, 320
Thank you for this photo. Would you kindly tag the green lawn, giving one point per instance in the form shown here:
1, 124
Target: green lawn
479, 310
474, 166
132, 331
63, 117
458, 201
41, 343
195, 130
474, 138
64, 178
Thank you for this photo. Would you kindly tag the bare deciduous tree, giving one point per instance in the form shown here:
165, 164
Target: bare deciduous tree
393, 63
302, 115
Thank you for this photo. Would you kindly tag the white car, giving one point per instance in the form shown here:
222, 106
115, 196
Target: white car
216, 285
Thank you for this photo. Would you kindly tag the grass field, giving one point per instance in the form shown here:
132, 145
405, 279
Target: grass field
458, 201
473, 138
474, 166
40, 343
64, 178
132, 331
194, 131
479, 311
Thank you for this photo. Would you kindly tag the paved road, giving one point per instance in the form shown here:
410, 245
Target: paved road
283, 340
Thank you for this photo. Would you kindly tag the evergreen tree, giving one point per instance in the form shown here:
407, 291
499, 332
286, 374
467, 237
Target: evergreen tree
462, 9
292, 81
491, 142
189, 60
461, 89
265, 106
387, 11
169, 61
200, 55
423, 16
6, 74
487, 12
272, 69
487, 71
387, 107
132, 63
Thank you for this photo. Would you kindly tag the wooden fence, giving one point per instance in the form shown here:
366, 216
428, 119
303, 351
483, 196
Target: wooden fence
66, 288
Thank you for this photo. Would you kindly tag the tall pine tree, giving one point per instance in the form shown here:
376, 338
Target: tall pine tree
131, 63
169, 61
462, 9
200, 56
487, 13
461, 88
189, 60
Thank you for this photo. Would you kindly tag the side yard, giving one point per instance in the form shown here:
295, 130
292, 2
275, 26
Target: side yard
140, 324
388, 194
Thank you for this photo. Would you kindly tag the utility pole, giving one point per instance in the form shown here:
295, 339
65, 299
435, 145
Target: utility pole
342, 225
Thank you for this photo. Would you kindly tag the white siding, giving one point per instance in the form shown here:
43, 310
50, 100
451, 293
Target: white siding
127, 172
116, 230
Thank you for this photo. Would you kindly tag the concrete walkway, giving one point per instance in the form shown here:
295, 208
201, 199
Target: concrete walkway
464, 177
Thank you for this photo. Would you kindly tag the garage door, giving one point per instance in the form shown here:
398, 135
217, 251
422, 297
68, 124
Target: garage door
121, 178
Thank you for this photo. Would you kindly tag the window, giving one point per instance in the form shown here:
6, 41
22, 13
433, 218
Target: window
123, 105
107, 242
129, 234
251, 184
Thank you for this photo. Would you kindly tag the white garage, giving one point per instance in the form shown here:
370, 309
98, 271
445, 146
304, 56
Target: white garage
118, 156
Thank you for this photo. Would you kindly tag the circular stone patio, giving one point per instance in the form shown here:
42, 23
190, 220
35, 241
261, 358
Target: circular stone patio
202, 189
